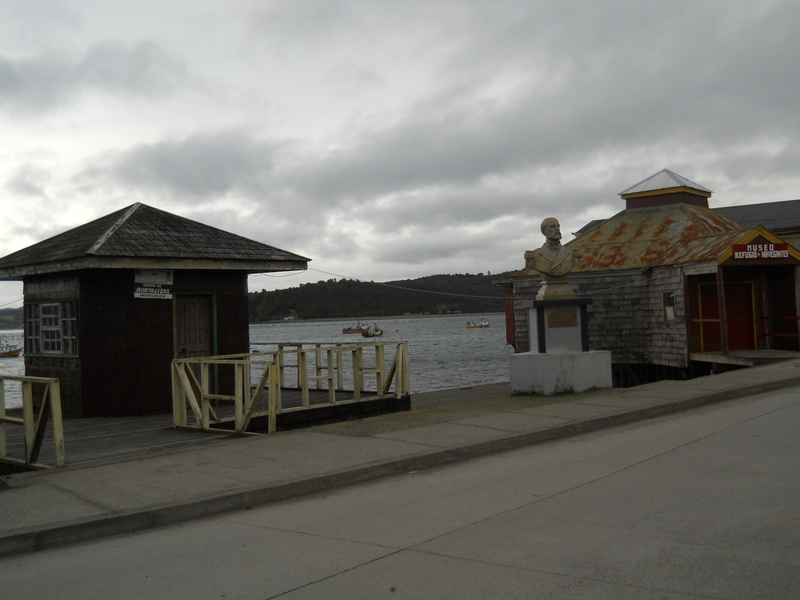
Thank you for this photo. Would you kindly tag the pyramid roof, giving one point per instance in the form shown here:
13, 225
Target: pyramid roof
140, 236
664, 180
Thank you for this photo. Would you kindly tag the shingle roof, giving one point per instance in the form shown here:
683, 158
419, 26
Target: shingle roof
635, 238
774, 216
141, 236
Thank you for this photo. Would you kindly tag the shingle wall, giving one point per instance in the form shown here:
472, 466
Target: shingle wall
626, 315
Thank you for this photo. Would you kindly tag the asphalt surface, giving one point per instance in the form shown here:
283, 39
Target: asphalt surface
47, 509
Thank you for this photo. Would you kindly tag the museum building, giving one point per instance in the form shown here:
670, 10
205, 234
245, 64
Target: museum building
678, 289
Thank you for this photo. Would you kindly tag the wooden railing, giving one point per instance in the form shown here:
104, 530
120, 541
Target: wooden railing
770, 324
256, 384
35, 425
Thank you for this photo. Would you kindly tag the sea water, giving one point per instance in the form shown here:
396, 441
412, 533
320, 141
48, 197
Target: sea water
14, 365
443, 352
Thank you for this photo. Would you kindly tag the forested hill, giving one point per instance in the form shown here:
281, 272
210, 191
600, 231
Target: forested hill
346, 298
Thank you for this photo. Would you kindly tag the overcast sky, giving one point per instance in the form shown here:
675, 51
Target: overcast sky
387, 140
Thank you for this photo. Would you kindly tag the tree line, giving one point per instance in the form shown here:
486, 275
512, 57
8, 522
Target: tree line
11, 318
348, 298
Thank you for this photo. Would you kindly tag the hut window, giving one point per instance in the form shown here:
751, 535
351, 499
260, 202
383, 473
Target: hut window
51, 328
669, 306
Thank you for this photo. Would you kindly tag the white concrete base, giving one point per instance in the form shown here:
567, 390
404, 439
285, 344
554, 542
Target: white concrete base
559, 373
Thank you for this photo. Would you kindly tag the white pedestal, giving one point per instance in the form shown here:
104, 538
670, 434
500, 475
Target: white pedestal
559, 373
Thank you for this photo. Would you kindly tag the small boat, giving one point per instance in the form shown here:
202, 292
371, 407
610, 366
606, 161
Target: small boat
372, 331
9, 351
476, 324
359, 328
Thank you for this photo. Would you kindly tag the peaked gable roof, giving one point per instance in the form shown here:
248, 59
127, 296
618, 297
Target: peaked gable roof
141, 236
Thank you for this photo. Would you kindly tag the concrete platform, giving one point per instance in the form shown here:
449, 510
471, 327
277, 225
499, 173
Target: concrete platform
58, 507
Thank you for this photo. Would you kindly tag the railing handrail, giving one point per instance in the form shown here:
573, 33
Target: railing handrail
33, 424
192, 379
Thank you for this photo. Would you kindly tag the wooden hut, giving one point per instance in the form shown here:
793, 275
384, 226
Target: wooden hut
109, 304
677, 287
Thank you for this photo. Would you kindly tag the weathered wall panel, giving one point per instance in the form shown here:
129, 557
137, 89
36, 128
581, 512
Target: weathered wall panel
125, 344
626, 315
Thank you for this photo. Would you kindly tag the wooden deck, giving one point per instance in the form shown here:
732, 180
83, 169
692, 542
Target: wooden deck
745, 358
102, 439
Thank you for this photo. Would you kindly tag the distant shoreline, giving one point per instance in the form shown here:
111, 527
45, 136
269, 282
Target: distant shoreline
376, 319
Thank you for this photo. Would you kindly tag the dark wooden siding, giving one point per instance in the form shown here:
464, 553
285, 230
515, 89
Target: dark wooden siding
61, 287
126, 344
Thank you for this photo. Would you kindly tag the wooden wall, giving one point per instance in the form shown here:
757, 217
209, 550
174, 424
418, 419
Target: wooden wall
125, 344
626, 315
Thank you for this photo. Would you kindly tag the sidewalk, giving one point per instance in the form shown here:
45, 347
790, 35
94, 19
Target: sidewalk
53, 508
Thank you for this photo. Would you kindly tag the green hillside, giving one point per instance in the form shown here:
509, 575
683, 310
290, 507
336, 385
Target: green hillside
11, 318
346, 298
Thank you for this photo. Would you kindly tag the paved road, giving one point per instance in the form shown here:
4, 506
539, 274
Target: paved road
702, 504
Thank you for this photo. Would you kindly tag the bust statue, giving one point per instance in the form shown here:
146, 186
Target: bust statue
553, 261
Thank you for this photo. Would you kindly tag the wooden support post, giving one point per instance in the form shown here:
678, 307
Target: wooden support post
723, 312
331, 374
3, 448
302, 377
380, 367
339, 369
58, 424
205, 401
27, 416
357, 375
274, 397
178, 399
240, 386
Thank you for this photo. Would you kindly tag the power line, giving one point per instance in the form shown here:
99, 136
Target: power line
12, 302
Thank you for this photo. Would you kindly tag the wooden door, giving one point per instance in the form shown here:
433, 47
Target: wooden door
193, 335
741, 320
739, 312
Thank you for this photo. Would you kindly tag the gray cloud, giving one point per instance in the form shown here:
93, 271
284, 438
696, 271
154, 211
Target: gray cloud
29, 181
49, 80
199, 165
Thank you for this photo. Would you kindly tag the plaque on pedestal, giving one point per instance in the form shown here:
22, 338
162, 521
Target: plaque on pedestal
558, 325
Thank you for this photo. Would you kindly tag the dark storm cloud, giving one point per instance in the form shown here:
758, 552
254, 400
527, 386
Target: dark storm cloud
29, 181
200, 165
647, 80
49, 80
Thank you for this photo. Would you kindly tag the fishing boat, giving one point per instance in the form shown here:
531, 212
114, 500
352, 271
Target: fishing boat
476, 324
9, 351
372, 331
359, 328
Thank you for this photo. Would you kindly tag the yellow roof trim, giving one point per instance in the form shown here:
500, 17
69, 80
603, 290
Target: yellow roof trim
661, 192
753, 234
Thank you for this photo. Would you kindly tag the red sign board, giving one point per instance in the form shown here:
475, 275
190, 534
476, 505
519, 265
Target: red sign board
760, 251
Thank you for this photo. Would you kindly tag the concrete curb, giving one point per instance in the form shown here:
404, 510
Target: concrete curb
93, 528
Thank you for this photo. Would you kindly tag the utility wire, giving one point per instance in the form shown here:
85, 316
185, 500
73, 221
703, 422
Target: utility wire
12, 302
